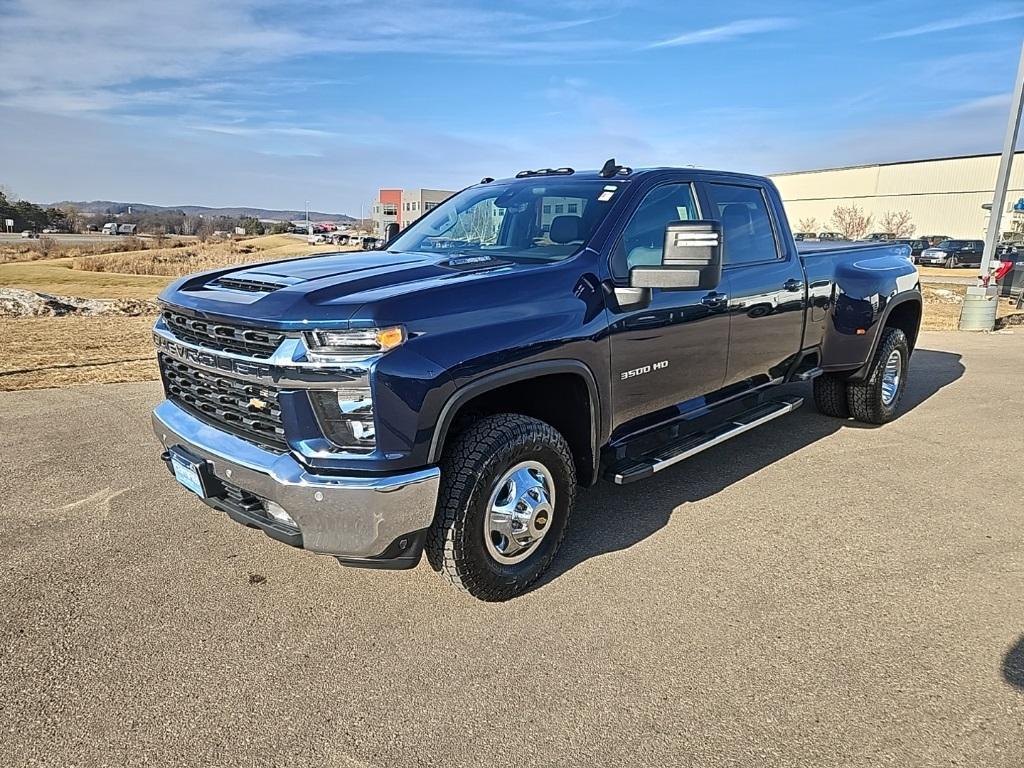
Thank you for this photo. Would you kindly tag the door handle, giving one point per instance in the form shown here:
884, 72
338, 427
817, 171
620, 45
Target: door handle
793, 284
714, 300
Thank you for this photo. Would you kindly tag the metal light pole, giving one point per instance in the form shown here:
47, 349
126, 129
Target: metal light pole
979, 311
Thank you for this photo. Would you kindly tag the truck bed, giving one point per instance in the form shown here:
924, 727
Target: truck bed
848, 288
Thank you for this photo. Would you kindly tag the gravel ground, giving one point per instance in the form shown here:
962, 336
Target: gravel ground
813, 593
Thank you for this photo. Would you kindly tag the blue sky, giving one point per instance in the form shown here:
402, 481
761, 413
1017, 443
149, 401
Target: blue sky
249, 102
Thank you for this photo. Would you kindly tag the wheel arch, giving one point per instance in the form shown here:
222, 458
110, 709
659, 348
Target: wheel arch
903, 312
578, 423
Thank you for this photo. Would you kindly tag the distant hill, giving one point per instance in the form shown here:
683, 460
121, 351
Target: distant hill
111, 207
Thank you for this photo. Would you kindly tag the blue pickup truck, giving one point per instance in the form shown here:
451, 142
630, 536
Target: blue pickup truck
450, 392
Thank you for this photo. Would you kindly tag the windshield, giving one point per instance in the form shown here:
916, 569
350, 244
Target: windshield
949, 245
546, 219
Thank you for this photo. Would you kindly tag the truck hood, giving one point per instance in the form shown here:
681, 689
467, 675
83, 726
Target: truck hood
329, 287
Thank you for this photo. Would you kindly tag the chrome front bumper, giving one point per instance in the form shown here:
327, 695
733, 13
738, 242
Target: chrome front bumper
344, 516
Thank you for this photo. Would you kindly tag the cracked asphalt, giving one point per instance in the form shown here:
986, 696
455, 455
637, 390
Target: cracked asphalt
812, 593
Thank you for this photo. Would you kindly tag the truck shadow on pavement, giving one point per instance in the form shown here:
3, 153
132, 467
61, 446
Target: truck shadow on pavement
1013, 664
609, 518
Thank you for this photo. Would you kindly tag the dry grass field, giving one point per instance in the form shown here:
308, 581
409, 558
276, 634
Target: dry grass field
142, 274
50, 248
40, 352
178, 261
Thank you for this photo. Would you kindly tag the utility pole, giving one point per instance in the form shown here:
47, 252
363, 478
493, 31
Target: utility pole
309, 230
980, 303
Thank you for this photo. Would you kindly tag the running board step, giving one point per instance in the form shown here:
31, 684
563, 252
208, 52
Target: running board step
811, 373
632, 469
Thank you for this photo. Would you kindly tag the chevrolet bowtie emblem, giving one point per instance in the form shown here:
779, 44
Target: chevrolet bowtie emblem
255, 402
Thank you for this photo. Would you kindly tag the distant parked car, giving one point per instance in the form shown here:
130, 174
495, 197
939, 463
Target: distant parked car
953, 253
918, 246
804, 236
30, 234
935, 239
831, 236
874, 236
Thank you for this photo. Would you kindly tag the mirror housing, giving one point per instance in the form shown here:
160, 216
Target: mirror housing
691, 259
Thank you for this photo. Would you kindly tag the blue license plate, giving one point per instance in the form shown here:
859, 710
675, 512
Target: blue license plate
187, 473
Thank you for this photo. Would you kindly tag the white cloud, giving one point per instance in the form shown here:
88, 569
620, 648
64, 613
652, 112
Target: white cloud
58, 57
985, 16
730, 31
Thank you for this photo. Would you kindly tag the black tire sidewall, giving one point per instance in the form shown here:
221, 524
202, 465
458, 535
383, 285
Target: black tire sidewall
471, 468
873, 410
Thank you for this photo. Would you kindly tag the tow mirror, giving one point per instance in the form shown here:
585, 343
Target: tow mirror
691, 259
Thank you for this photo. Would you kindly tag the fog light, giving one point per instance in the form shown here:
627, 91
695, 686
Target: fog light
346, 417
276, 511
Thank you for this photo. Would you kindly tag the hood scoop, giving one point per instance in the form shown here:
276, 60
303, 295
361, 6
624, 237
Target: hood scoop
466, 263
251, 282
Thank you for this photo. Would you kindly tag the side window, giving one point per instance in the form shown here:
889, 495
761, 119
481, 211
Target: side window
747, 227
643, 239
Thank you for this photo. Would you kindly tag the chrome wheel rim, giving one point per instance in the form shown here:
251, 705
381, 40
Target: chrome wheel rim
520, 512
891, 377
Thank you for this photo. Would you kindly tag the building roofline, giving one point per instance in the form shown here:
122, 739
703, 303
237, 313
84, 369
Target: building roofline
895, 162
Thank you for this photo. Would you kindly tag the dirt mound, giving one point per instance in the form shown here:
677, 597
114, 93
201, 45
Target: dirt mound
15, 302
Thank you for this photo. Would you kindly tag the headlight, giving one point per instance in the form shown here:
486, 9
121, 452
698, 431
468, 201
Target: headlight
346, 417
356, 342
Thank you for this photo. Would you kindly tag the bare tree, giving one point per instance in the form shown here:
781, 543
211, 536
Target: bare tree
898, 223
810, 224
850, 221
72, 218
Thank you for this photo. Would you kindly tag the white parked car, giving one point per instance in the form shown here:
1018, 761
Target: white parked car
28, 233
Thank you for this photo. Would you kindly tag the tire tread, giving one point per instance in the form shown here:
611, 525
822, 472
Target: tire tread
830, 396
463, 463
865, 397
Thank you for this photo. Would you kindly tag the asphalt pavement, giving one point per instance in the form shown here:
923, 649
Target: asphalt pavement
813, 593
63, 239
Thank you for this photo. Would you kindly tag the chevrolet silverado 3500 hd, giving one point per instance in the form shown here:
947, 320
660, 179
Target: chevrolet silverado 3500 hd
450, 392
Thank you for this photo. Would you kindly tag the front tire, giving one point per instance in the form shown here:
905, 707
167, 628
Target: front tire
876, 399
508, 485
951, 263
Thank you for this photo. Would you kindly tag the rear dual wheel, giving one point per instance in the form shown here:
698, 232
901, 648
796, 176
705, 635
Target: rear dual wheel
875, 399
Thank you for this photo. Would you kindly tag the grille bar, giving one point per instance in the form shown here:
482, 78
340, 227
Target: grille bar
249, 410
221, 337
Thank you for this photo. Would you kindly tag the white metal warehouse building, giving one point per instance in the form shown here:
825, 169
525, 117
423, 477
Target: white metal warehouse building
944, 195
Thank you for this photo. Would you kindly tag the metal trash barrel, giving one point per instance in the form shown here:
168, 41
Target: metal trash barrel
979, 309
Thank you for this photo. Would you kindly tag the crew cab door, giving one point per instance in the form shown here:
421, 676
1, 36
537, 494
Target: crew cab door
667, 345
765, 279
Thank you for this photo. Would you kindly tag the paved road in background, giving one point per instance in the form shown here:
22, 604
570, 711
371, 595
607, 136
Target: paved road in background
813, 593
62, 239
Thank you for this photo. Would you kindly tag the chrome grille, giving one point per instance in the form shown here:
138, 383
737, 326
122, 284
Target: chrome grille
249, 410
221, 337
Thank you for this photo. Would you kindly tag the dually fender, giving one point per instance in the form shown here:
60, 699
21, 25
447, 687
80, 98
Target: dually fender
518, 373
913, 295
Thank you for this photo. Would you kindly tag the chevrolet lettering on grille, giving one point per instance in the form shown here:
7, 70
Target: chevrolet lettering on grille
208, 360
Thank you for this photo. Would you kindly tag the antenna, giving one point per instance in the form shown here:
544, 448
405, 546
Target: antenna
611, 168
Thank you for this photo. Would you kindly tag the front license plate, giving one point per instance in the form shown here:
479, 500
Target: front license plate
187, 473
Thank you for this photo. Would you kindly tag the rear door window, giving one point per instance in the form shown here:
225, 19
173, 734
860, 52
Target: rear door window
746, 223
